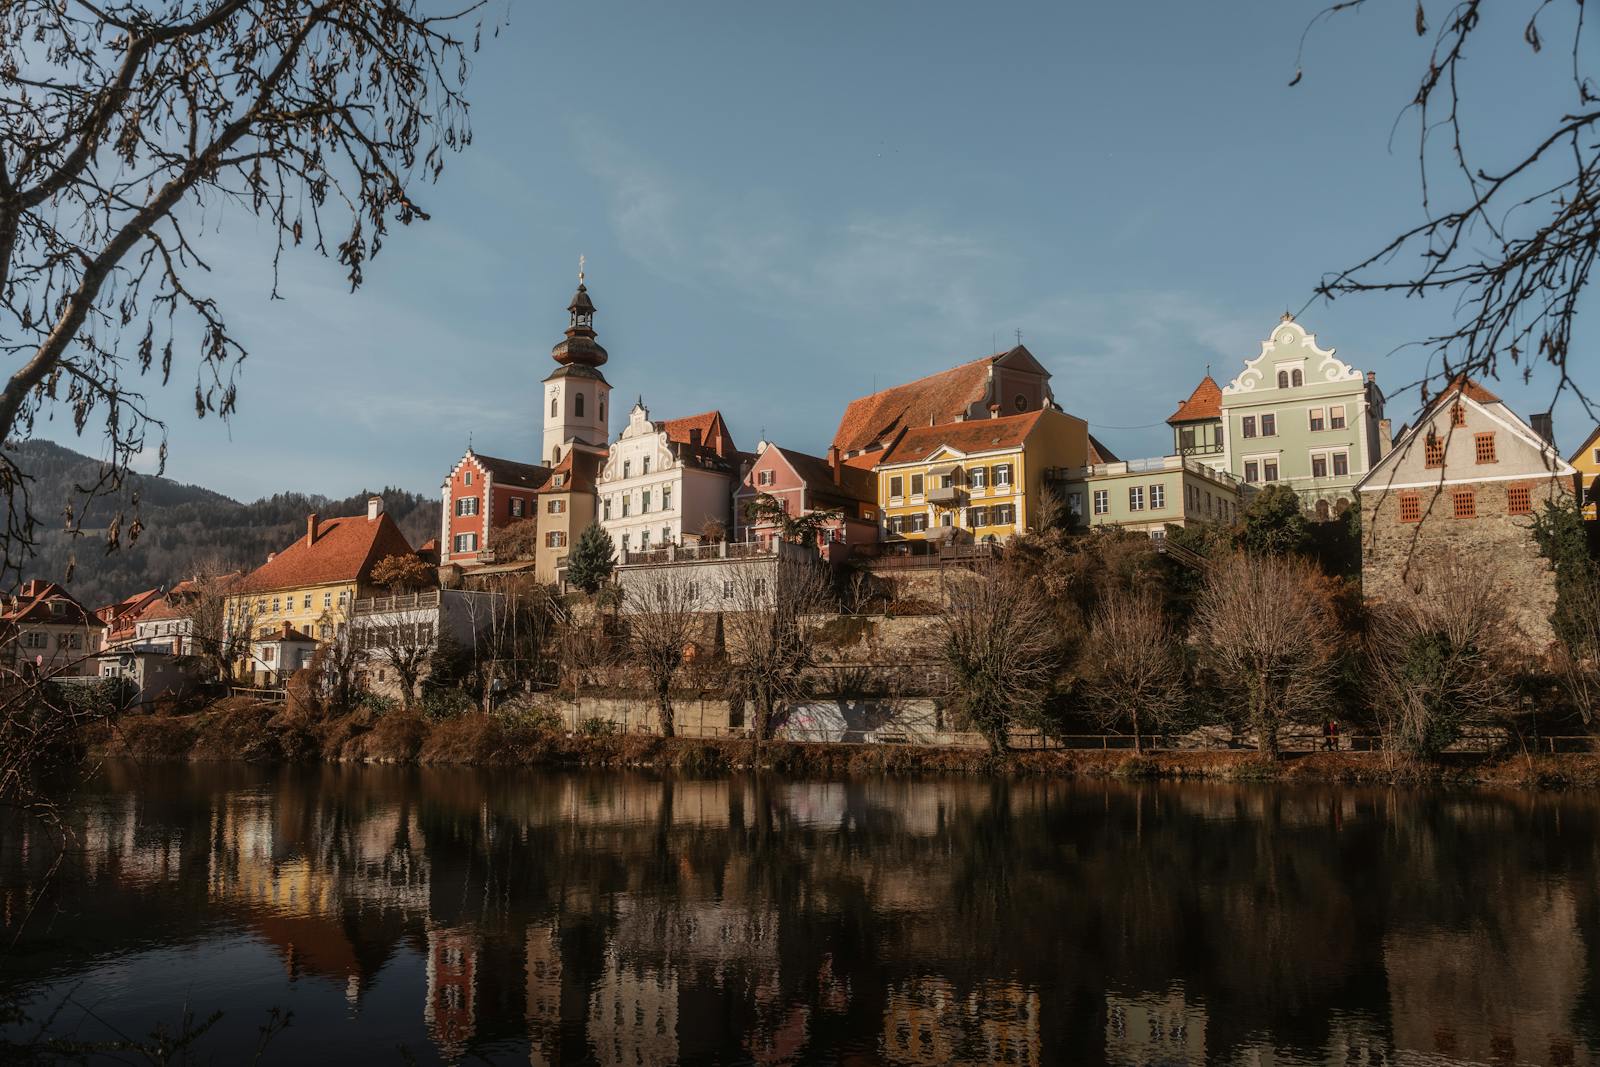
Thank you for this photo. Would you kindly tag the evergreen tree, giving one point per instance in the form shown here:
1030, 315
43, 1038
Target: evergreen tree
1275, 523
589, 566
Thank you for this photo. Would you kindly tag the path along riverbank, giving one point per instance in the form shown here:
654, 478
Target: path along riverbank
241, 729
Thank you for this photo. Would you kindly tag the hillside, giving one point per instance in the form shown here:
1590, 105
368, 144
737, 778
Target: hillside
184, 525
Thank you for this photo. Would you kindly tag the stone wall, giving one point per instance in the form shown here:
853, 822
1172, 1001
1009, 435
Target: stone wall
1398, 556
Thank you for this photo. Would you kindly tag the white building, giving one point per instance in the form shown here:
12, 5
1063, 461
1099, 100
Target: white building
666, 482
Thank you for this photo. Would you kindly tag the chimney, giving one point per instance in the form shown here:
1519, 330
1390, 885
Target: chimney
1372, 377
994, 411
833, 464
311, 528
1385, 437
271, 556
374, 508
287, 628
1544, 426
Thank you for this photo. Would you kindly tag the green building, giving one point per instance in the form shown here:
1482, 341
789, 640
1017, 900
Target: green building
1296, 415
1148, 495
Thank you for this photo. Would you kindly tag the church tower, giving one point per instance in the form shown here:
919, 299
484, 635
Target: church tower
576, 395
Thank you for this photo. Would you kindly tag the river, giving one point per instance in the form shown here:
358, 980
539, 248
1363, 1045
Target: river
408, 915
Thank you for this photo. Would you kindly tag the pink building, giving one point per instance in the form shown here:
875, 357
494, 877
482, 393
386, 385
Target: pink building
804, 484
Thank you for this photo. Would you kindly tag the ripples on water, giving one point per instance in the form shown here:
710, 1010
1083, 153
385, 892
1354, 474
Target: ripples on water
563, 919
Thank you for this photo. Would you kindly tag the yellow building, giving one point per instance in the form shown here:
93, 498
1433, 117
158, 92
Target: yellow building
304, 594
1586, 460
974, 479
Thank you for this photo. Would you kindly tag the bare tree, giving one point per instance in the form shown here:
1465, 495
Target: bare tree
513, 628
1438, 659
770, 647
401, 638
1510, 239
1268, 638
662, 617
124, 121
221, 619
1134, 667
1001, 651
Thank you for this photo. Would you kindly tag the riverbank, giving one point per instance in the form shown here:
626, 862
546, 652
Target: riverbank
241, 729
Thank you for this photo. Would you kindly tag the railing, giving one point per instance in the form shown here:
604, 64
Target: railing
1138, 466
981, 550
700, 553
406, 602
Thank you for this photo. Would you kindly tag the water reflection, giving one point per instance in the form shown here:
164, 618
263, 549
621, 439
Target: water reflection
561, 919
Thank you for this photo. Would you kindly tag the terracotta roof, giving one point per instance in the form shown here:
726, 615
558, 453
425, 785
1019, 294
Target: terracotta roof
509, 471
1204, 403
713, 435
854, 482
580, 467
344, 551
975, 435
1099, 453
938, 398
122, 615
32, 605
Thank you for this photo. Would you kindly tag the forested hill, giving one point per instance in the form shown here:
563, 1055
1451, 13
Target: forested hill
184, 525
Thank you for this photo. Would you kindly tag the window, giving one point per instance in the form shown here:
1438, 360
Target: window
1283, 379
577, 405
1269, 469
1136, 498
304, 604
344, 594
627, 504
1433, 451
896, 487
1296, 379
466, 478
765, 477
1247, 425
897, 524
1003, 515
916, 486
1319, 466
558, 507
977, 517
1158, 497
605, 507
1597, 455
666, 498
327, 598
727, 589
977, 477
463, 543
1075, 505
644, 465
1341, 464
467, 505
1002, 476
1410, 507
1102, 501
1318, 418
644, 501
1186, 438
1210, 500
268, 653
1464, 504
1269, 426
1458, 414
1483, 447
946, 518
555, 539
666, 534
1519, 501
275, 608
554, 411
626, 541
627, 468
516, 507
1336, 417
1252, 471
919, 523
644, 540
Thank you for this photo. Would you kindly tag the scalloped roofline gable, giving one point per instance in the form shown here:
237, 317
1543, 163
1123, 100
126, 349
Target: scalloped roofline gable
1290, 334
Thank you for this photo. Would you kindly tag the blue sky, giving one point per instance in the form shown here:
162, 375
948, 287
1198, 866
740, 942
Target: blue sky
785, 205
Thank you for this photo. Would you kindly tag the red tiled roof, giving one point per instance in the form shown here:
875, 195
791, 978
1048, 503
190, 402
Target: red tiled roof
580, 467
31, 606
1204, 403
121, 615
344, 551
509, 471
938, 398
854, 482
1467, 387
1099, 453
713, 435
975, 435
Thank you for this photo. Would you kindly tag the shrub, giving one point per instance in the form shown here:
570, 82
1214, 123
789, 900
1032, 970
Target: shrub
594, 726
438, 704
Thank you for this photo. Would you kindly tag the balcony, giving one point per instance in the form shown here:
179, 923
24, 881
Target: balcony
947, 494
376, 605
702, 553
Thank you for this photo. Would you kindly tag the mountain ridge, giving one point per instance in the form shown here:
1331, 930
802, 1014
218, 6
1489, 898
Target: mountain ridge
184, 526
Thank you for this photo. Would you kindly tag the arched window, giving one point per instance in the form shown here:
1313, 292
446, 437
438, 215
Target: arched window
577, 405
1283, 379
555, 455
602, 409
554, 410
1298, 379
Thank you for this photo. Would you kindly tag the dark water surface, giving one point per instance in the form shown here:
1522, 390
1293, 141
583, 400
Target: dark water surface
553, 918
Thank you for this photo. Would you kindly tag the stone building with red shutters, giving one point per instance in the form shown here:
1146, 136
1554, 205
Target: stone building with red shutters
1460, 488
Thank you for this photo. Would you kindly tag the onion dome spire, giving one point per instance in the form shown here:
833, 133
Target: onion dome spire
580, 347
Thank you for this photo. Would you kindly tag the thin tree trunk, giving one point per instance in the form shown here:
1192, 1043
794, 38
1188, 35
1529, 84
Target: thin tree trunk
664, 709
